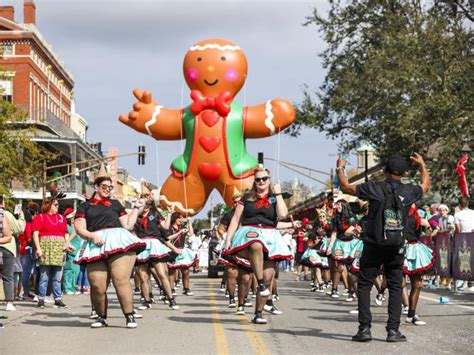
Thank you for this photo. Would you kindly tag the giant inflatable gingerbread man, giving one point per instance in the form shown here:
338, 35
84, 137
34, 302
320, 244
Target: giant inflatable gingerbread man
214, 125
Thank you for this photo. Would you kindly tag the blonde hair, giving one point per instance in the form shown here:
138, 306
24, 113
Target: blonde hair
252, 194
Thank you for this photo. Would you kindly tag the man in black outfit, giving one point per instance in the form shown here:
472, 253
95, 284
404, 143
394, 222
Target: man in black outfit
374, 256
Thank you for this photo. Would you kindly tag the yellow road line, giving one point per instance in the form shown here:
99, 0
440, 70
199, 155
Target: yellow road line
221, 340
256, 340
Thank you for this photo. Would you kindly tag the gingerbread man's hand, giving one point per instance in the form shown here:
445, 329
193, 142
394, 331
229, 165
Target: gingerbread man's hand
142, 111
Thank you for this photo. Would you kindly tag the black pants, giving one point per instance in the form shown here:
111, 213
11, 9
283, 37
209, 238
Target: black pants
371, 260
6, 270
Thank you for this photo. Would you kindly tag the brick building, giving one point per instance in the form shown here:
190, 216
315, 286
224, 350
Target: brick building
36, 80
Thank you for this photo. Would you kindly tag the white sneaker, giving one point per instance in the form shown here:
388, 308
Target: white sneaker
99, 323
379, 299
259, 320
272, 310
131, 322
247, 303
265, 292
354, 311
10, 307
415, 320
404, 310
232, 304
240, 311
48, 300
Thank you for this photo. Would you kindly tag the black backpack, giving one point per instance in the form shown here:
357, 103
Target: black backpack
387, 225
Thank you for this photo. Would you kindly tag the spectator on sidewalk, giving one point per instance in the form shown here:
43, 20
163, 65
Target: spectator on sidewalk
51, 240
464, 219
464, 223
5, 238
71, 270
27, 252
8, 249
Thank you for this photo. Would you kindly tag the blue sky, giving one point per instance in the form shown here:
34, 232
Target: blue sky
112, 47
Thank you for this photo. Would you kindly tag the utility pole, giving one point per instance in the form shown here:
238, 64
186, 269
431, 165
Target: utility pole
366, 165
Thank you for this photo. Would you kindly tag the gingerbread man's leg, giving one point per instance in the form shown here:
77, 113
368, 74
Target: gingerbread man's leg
186, 195
228, 191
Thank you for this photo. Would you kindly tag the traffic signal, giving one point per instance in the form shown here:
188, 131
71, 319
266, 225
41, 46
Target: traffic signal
141, 155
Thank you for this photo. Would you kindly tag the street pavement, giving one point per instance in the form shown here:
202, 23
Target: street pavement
311, 323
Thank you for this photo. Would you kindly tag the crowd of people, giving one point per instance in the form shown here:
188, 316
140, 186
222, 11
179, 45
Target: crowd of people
381, 239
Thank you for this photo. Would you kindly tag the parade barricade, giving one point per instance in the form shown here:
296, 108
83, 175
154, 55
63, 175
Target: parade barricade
463, 262
443, 249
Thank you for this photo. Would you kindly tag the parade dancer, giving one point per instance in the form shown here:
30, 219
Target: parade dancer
186, 258
341, 243
322, 231
258, 240
109, 249
312, 259
231, 273
418, 259
156, 254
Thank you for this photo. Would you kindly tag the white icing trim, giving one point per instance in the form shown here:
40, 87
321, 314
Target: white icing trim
152, 121
270, 116
214, 46
178, 204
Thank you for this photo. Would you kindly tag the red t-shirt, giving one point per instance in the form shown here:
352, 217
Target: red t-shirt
301, 244
49, 224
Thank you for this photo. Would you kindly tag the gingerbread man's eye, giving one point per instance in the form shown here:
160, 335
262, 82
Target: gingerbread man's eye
223, 59
199, 59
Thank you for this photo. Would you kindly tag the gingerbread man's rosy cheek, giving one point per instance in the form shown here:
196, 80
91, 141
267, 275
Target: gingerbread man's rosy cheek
231, 75
193, 74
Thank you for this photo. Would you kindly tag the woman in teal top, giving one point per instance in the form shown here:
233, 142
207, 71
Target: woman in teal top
71, 270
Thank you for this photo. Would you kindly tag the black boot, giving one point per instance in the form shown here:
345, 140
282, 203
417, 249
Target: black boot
362, 335
394, 336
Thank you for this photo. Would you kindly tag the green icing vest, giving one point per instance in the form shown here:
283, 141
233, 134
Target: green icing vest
237, 157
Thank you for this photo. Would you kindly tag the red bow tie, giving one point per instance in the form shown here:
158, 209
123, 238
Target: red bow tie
96, 201
221, 103
144, 222
262, 202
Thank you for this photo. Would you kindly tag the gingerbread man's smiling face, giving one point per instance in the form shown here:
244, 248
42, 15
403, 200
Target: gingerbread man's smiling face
214, 66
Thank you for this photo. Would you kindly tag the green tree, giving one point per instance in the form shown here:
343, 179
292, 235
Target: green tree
200, 224
399, 75
218, 210
20, 157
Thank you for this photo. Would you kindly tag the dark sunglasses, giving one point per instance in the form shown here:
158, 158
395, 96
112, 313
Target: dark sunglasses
107, 187
265, 178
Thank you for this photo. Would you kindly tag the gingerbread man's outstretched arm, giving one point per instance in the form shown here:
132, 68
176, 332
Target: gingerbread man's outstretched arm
150, 118
269, 118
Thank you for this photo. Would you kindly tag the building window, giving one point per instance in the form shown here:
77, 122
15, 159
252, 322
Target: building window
6, 49
6, 89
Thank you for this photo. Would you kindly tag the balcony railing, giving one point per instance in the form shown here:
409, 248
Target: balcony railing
70, 184
45, 117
